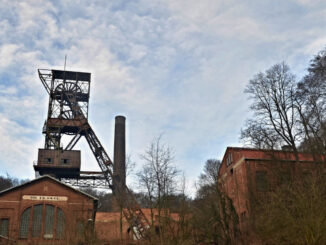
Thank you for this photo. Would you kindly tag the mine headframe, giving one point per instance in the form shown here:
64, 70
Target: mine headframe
68, 104
68, 115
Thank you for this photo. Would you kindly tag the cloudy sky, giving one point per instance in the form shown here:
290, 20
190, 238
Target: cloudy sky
172, 67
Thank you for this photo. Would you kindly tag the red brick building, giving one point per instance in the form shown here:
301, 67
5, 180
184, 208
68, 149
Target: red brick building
46, 211
107, 225
245, 172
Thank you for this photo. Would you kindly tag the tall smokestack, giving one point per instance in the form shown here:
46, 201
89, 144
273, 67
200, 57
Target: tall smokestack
119, 160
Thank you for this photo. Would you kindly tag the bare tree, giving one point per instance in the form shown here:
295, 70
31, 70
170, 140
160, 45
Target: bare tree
9, 181
311, 101
273, 95
255, 133
210, 173
286, 112
318, 64
292, 114
158, 178
215, 220
294, 213
147, 185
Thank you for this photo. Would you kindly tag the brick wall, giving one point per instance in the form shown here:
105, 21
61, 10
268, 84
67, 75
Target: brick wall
46, 199
249, 173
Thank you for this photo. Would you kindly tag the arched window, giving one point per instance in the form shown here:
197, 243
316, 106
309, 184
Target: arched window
24, 223
43, 216
61, 222
49, 221
4, 227
80, 229
37, 220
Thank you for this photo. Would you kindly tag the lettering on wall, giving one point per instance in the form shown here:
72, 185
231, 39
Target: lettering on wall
44, 198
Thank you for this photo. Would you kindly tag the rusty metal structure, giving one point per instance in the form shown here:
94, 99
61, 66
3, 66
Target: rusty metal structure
68, 115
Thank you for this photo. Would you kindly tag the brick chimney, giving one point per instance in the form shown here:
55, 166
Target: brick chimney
119, 159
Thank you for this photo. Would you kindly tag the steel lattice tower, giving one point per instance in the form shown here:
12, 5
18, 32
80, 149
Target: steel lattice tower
68, 115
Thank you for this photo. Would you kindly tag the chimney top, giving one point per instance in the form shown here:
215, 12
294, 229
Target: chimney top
120, 119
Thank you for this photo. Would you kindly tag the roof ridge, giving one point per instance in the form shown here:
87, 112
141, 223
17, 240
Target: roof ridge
49, 177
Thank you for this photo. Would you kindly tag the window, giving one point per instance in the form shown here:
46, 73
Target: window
229, 159
80, 229
60, 224
23, 232
49, 220
243, 215
64, 161
48, 160
306, 177
43, 220
37, 220
285, 178
4, 228
261, 181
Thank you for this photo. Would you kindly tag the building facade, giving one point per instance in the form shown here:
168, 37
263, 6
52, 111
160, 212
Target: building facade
46, 211
113, 228
246, 174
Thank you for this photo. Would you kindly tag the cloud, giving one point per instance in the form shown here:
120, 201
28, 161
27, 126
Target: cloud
17, 151
309, 3
172, 67
315, 46
7, 52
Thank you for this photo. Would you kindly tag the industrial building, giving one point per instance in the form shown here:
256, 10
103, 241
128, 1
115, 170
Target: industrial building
247, 173
67, 117
108, 229
46, 211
